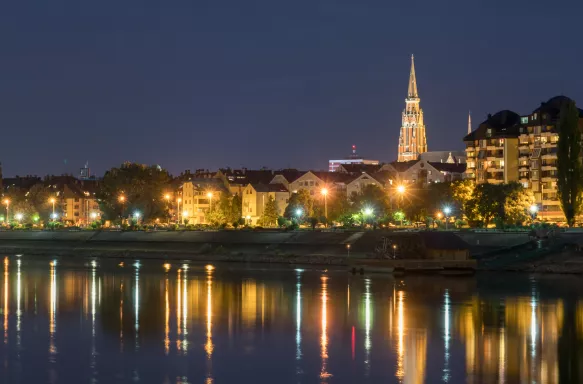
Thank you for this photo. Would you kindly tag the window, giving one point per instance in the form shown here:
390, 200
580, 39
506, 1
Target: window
483, 143
537, 130
524, 120
311, 183
76, 199
534, 164
534, 175
502, 164
489, 132
501, 142
535, 154
76, 206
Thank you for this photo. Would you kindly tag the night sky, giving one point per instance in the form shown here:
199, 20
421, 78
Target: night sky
208, 84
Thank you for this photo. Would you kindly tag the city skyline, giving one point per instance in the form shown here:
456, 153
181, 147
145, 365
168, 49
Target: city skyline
259, 84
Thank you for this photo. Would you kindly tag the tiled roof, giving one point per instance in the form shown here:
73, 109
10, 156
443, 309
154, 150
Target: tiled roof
449, 167
502, 125
360, 168
269, 187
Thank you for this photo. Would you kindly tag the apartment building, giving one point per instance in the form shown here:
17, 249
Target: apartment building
492, 149
197, 198
509, 147
255, 196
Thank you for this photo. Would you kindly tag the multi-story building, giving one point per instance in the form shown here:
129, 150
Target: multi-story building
197, 198
334, 165
508, 147
76, 201
412, 139
255, 196
492, 149
538, 154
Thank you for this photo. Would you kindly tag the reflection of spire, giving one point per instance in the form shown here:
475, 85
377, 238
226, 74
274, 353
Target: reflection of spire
184, 312
412, 91
298, 319
324, 374
93, 302
121, 316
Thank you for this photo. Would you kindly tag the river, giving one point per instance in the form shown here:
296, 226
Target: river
98, 321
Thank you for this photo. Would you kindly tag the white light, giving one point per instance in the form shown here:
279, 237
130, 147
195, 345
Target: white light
18, 216
93, 215
368, 211
137, 215
298, 212
533, 209
447, 210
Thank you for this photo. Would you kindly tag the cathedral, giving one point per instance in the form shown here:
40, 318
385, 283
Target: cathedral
412, 140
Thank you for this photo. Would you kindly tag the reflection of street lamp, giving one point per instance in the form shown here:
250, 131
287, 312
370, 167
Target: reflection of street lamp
348, 250
325, 193
394, 251
439, 215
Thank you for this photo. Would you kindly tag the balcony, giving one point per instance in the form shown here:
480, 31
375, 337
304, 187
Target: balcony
548, 179
549, 156
552, 202
548, 168
495, 181
548, 145
495, 170
523, 168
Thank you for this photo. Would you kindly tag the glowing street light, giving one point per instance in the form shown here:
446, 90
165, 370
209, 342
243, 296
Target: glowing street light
446, 211
52, 200
325, 193
94, 215
299, 213
18, 217
210, 196
7, 202
368, 211
122, 200
401, 189
533, 209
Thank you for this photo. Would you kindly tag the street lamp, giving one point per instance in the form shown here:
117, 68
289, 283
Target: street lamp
533, 209
7, 202
325, 193
185, 215
299, 213
94, 215
18, 217
137, 216
401, 189
52, 201
122, 200
446, 211
210, 196
367, 212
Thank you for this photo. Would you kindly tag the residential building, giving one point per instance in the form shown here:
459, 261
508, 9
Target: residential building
255, 196
492, 149
197, 198
355, 169
412, 139
537, 158
425, 172
361, 181
76, 201
334, 165
458, 157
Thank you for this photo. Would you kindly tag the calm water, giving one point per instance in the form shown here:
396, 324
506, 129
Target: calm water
97, 322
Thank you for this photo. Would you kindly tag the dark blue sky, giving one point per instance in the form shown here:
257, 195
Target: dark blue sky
207, 84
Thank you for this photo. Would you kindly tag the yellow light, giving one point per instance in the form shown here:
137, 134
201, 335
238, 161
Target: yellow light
122, 198
209, 267
324, 191
209, 195
52, 200
167, 196
439, 214
185, 213
6, 201
401, 189
179, 199
167, 266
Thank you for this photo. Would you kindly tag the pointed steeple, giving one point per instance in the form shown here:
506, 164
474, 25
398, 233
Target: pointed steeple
469, 122
412, 93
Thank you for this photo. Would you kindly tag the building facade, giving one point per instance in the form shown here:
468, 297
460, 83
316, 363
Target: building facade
255, 196
412, 139
197, 199
334, 165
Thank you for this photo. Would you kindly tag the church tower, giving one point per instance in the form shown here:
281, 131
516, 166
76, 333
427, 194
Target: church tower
412, 140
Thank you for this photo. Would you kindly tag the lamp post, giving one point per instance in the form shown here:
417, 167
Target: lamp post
299, 214
367, 212
210, 196
325, 193
401, 191
7, 202
446, 211
533, 209
167, 198
122, 200
439, 215
18, 217
52, 200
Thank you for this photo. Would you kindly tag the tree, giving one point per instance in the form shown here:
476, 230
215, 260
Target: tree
371, 196
270, 213
143, 188
569, 170
236, 211
462, 191
39, 196
300, 200
26, 209
338, 205
517, 203
486, 203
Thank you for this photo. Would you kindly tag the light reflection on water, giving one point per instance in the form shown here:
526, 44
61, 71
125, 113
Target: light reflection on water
69, 321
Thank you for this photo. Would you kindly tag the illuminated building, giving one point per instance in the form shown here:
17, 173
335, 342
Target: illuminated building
335, 165
412, 140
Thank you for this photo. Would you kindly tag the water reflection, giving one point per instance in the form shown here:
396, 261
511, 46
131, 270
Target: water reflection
234, 326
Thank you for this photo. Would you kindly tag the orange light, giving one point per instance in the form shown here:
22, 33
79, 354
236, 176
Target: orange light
324, 191
401, 189
209, 267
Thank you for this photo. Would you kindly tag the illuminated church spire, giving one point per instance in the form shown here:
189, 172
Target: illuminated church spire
469, 122
412, 140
